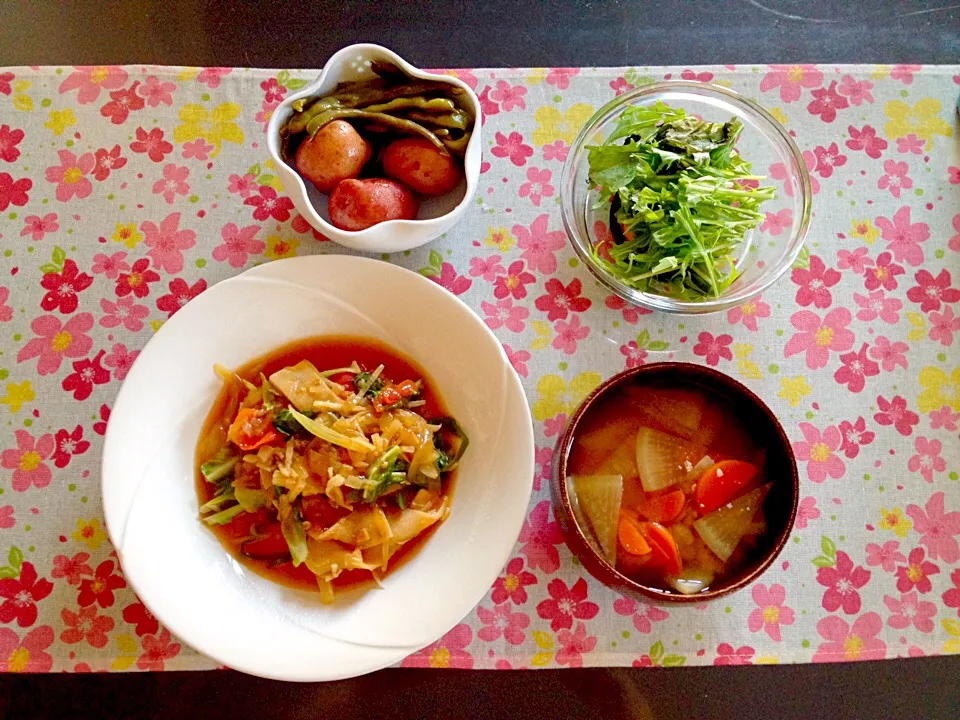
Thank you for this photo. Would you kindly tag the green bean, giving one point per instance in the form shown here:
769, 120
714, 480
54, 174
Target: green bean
439, 105
457, 120
407, 127
358, 96
458, 147
298, 121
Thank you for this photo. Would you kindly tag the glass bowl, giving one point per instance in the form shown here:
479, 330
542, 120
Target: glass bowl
764, 143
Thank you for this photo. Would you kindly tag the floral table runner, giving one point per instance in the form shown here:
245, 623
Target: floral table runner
127, 191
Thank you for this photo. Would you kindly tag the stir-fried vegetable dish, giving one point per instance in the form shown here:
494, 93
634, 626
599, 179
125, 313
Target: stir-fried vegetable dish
681, 200
311, 467
669, 487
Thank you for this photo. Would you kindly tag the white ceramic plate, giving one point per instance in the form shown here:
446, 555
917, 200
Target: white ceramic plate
179, 569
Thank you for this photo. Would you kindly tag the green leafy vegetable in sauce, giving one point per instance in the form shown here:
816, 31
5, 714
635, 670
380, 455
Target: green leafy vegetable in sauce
286, 424
382, 474
449, 456
224, 516
681, 199
220, 466
292, 528
368, 383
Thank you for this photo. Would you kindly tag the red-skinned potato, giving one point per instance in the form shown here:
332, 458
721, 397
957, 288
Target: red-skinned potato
417, 163
359, 204
337, 152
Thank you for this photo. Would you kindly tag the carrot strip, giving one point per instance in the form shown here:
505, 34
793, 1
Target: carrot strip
663, 508
631, 539
665, 553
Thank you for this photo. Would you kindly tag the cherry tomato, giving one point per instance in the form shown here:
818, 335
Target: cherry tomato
407, 388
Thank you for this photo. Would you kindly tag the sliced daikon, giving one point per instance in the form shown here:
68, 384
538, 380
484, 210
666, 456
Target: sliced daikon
598, 499
606, 437
622, 461
724, 528
663, 459
692, 581
675, 411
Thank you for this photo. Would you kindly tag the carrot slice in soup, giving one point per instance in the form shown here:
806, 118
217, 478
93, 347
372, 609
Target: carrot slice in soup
663, 508
665, 554
630, 537
723, 482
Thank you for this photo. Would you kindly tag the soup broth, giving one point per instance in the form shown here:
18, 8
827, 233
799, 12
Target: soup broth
669, 484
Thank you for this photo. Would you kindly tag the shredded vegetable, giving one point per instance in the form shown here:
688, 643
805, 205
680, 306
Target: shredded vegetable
681, 200
334, 470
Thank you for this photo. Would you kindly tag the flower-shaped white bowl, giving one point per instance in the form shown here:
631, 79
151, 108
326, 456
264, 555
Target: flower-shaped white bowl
436, 216
178, 567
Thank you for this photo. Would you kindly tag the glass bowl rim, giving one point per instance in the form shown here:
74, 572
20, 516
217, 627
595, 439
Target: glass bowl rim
653, 301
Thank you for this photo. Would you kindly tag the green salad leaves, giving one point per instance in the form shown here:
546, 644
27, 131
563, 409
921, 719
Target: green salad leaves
681, 201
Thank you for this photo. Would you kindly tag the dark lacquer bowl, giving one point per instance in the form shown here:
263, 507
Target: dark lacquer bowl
780, 505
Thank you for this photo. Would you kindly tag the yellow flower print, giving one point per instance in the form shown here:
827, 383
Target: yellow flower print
22, 101
923, 120
544, 332
89, 532
18, 395
747, 367
864, 230
794, 389
544, 641
188, 74
552, 126
918, 326
127, 234
779, 115
500, 238
216, 126
880, 72
951, 646
556, 397
60, 120
536, 76
127, 655
767, 660
278, 247
156, 325
938, 389
893, 519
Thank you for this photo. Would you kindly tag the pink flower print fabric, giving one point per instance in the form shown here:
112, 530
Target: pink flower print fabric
126, 192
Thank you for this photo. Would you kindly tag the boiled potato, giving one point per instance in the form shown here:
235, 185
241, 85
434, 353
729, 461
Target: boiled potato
337, 152
417, 163
359, 204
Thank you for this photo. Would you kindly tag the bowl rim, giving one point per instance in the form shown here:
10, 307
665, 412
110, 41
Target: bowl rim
575, 536
335, 61
663, 303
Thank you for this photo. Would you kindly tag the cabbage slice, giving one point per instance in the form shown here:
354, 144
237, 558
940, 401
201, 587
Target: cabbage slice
295, 382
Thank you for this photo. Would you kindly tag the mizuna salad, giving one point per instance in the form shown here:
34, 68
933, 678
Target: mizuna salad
332, 468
